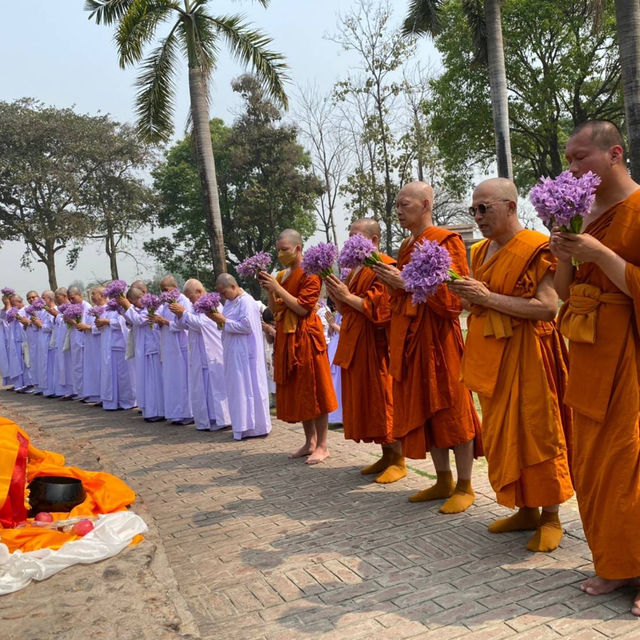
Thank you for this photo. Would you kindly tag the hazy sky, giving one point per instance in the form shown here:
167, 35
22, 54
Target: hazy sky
57, 56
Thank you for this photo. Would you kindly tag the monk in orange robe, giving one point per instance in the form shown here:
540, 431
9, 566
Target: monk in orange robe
304, 390
363, 354
515, 360
601, 319
432, 409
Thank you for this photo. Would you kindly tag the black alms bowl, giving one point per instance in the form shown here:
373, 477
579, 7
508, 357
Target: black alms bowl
55, 493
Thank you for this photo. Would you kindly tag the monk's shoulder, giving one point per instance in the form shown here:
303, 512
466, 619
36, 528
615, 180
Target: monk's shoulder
442, 234
386, 259
533, 239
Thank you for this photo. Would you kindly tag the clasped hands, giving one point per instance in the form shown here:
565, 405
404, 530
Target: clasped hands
581, 247
268, 282
390, 275
473, 291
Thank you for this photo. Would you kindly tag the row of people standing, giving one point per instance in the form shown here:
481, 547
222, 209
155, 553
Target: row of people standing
174, 364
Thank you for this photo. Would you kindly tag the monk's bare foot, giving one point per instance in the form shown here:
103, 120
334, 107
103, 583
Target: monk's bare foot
318, 456
303, 451
635, 607
598, 586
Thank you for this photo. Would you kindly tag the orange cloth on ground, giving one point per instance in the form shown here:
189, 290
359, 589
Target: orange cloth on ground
431, 407
105, 494
604, 392
304, 389
363, 354
518, 368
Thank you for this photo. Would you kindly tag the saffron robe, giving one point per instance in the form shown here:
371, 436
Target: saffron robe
431, 406
363, 355
518, 368
602, 325
304, 389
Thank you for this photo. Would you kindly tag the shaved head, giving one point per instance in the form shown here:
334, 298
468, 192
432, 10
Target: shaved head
368, 227
291, 235
61, 291
99, 289
15, 300
134, 293
603, 133
226, 280
48, 294
168, 282
140, 284
74, 291
501, 188
420, 190
193, 289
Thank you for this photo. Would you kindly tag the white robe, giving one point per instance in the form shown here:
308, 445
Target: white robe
175, 365
336, 371
206, 372
77, 352
5, 368
116, 385
92, 362
64, 368
245, 369
15, 336
148, 368
46, 354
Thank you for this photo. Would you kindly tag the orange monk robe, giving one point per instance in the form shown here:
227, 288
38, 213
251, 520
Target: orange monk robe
431, 407
603, 327
518, 369
363, 354
304, 389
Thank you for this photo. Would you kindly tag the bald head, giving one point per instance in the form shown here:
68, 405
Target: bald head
368, 227
414, 204
167, 283
227, 286
500, 188
603, 133
140, 284
134, 294
48, 296
193, 289
16, 301
74, 294
291, 235
495, 207
420, 190
97, 296
61, 295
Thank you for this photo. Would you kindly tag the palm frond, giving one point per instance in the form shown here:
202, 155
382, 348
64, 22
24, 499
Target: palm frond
474, 13
249, 46
423, 17
205, 45
138, 26
107, 11
156, 82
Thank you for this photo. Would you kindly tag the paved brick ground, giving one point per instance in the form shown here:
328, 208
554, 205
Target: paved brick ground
261, 547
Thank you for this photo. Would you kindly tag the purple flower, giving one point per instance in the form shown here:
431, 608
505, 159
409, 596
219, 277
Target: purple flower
113, 305
207, 303
429, 267
565, 200
150, 302
96, 311
344, 273
11, 314
319, 260
62, 307
73, 312
356, 251
171, 296
38, 304
254, 264
7, 291
30, 311
115, 288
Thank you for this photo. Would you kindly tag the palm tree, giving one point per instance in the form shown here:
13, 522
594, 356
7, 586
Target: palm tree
424, 17
195, 32
628, 26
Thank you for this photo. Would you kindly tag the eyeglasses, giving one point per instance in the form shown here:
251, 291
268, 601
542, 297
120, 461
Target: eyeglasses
483, 207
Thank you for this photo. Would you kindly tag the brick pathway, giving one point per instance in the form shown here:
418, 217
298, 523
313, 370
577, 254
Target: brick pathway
261, 547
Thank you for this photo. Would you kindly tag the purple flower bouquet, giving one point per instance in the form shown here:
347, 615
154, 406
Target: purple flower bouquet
96, 311
115, 289
319, 260
344, 273
356, 251
113, 305
73, 313
429, 267
11, 314
253, 265
150, 302
7, 291
171, 296
208, 303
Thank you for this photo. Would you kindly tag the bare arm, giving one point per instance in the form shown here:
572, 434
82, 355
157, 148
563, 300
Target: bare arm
543, 306
276, 290
340, 294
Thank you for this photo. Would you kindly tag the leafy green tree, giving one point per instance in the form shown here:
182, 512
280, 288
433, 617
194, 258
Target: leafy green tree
195, 32
265, 186
559, 73
48, 162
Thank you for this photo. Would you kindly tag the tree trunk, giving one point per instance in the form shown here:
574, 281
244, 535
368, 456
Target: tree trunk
50, 263
110, 249
628, 25
498, 87
207, 168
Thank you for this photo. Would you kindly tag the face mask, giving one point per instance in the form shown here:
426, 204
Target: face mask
286, 259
